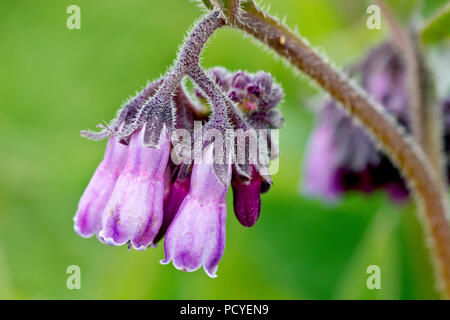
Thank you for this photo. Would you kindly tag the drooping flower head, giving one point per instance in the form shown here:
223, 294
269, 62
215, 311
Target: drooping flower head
141, 193
150, 196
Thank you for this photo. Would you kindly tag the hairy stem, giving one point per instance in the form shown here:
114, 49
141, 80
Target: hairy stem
404, 43
188, 56
410, 159
215, 96
423, 109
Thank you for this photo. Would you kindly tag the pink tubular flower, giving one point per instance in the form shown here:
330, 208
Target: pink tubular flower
88, 218
134, 212
196, 236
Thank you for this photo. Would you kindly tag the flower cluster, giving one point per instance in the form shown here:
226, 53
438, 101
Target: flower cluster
138, 195
341, 156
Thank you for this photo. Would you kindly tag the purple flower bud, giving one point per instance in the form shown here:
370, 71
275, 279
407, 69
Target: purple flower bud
247, 198
255, 93
254, 89
221, 76
240, 80
179, 191
135, 210
236, 96
196, 236
88, 218
264, 81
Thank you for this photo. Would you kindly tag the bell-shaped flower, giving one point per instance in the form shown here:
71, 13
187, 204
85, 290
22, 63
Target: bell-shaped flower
196, 236
88, 219
134, 212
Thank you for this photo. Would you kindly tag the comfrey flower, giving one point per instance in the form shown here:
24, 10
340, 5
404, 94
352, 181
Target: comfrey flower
341, 157
134, 213
141, 192
196, 236
94, 199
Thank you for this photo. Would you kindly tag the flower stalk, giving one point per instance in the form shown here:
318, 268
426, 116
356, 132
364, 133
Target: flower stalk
424, 109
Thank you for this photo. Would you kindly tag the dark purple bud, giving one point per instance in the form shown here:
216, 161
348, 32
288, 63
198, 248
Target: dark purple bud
179, 191
247, 198
254, 89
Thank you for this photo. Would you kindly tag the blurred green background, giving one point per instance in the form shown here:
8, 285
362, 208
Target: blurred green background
55, 81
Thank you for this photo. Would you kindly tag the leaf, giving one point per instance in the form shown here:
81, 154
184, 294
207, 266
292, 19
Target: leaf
437, 28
